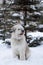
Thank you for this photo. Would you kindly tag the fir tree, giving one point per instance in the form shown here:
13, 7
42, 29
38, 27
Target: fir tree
31, 13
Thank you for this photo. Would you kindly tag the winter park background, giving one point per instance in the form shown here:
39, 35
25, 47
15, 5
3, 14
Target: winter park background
30, 15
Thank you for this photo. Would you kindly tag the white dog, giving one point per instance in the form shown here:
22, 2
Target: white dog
18, 43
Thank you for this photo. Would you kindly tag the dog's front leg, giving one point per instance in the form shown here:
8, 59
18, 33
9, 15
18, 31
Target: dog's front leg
22, 55
14, 54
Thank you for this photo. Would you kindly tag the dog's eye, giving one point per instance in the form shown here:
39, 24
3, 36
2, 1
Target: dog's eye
14, 30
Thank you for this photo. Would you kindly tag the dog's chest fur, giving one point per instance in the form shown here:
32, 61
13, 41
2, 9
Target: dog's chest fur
18, 45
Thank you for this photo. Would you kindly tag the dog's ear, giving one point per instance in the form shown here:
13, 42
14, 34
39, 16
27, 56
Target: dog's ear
12, 29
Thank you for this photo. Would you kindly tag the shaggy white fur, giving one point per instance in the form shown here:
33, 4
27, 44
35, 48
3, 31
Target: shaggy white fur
18, 43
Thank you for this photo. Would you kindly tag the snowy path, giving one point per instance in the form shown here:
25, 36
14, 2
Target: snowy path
6, 58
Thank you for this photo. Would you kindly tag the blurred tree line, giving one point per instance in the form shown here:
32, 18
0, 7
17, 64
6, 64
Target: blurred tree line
28, 12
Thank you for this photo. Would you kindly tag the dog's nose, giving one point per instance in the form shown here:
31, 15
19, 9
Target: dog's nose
22, 30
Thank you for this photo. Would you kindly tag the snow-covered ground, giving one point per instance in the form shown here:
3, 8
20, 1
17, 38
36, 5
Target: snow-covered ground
35, 34
6, 57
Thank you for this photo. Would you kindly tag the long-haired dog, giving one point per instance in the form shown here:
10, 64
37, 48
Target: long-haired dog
18, 43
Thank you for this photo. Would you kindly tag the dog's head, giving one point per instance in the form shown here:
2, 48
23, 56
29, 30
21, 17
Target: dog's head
18, 31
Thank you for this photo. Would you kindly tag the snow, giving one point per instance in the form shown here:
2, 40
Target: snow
1, 30
9, 2
0, 14
27, 25
6, 57
37, 13
35, 34
15, 14
41, 26
1, 34
42, 1
2, 8
36, 57
40, 5
41, 11
33, 7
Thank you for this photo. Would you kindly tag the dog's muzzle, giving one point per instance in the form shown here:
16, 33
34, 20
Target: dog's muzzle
22, 31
